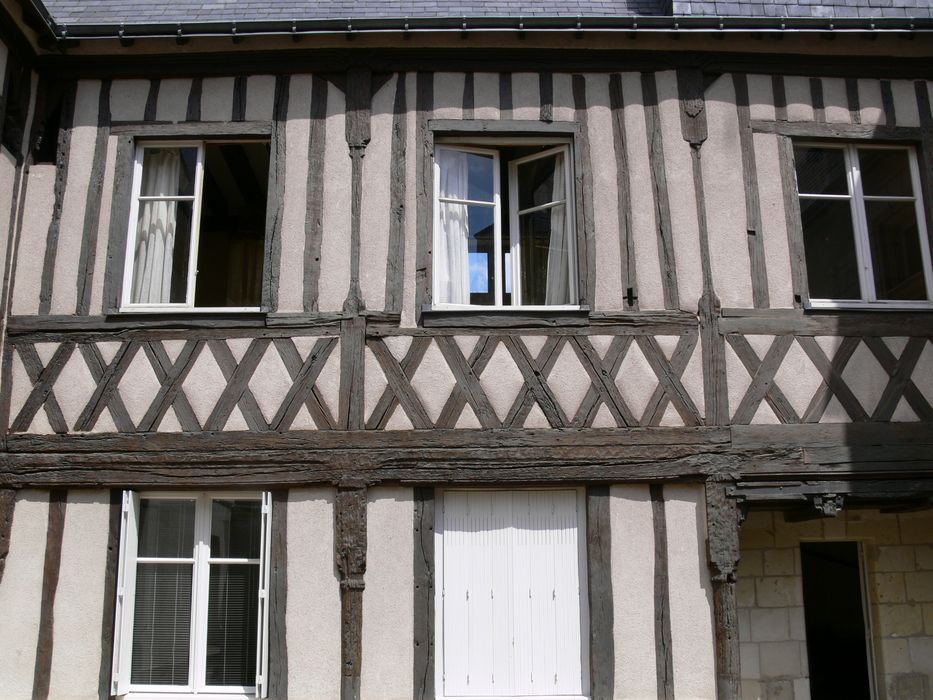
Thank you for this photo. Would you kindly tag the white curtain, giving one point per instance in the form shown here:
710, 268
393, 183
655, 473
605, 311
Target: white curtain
155, 231
557, 290
453, 270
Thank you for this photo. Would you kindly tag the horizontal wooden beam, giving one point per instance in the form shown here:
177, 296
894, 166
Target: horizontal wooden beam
832, 435
837, 131
205, 130
855, 323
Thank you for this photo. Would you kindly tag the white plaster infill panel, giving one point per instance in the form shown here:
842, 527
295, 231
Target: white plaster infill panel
690, 593
335, 244
501, 380
448, 95
388, 599
433, 381
632, 559
526, 96
21, 592
138, 387
270, 383
79, 597
312, 619
569, 381
636, 380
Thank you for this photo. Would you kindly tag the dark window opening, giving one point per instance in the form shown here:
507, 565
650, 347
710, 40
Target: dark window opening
837, 648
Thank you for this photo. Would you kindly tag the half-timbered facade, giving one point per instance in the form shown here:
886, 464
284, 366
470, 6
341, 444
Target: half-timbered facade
461, 352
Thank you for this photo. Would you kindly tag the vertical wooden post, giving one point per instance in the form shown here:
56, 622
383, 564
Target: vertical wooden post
424, 593
351, 565
722, 521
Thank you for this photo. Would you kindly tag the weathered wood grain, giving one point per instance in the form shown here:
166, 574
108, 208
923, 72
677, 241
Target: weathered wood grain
110, 595
398, 193
583, 174
798, 264
762, 386
278, 597
238, 110
106, 386
842, 131
664, 651
88, 254
816, 99
61, 180
780, 97
350, 545
424, 190
303, 391
852, 100
722, 522
546, 91
352, 347
237, 391
599, 587
152, 100
275, 208
900, 383
833, 383
58, 500
423, 534
662, 206
469, 95
96, 365
314, 212
194, 130
42, 394
505, 95
193, 111
624, 192
887, 103
171, 376
7, 505
468, 382
756, 247
390, 398
119, 222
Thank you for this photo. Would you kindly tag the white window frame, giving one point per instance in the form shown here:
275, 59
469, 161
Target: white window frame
492, 147
121, 684
582, 569
857, 199
197, 197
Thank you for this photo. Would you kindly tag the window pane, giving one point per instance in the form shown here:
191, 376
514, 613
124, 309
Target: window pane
885, 172
161, 624
233, 224
169, 172
232, 607
832, 266
466, 175
235, 529
466, 237
166, 528
536, 182
820, 170
544, 257
163, 239
895, 250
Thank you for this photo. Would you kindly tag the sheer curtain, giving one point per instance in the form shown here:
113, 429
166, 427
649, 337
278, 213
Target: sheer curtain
453, 273
557, 290
155, 232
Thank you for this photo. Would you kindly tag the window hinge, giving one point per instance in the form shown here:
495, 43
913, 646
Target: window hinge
630, 296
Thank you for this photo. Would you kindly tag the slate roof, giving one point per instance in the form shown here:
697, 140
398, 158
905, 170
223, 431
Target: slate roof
143, 12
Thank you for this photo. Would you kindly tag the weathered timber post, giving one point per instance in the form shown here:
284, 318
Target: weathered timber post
722, 522
353, 327
350, 553
691, 87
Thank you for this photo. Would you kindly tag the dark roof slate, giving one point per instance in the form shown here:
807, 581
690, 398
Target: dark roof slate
805, 8
144, 11
141, 12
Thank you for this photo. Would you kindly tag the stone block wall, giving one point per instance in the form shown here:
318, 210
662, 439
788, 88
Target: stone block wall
898, 558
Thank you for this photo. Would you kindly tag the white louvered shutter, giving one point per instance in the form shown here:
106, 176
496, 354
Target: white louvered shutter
511, 594
262, 626
126, 589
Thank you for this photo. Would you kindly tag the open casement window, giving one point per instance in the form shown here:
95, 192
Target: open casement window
504, 232
511, 600
864, 228
197, 227
192, 603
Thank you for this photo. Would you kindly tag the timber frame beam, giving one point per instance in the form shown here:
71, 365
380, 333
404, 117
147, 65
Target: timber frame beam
847, 453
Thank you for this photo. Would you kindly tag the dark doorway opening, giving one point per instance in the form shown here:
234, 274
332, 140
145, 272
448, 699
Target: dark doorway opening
835, 621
